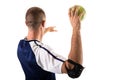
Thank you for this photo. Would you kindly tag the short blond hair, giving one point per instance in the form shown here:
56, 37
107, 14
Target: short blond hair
34, 17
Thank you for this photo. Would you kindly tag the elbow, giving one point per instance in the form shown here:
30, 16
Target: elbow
76, 71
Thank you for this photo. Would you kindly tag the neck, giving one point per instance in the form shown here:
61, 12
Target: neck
34, 35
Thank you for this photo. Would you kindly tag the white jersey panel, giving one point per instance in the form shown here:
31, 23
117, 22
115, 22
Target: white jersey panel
46, 58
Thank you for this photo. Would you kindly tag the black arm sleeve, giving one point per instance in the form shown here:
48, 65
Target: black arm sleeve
76, 71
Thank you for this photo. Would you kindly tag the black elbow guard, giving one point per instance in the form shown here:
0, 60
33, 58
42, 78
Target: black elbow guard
76, 71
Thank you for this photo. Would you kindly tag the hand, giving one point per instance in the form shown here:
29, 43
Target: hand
74, 18
50, 29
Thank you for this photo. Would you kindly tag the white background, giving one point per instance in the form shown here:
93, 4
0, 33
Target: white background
100, 36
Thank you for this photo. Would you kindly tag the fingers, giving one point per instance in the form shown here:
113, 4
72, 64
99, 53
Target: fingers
76, 11
51, 29
74, 18
73, 11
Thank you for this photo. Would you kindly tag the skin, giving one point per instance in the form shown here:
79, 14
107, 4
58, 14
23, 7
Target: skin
75, 53
76, 43
50, 29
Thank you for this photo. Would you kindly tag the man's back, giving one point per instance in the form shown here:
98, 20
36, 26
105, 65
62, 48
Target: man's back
28, 61
38, 60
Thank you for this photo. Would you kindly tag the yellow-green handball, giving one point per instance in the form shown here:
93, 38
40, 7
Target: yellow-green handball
81, 10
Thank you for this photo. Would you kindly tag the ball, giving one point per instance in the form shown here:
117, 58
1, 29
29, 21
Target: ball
81, 11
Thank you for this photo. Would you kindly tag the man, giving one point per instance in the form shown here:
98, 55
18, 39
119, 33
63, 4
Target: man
38, 60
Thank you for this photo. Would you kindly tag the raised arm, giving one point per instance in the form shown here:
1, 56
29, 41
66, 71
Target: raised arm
76, 43
74, 63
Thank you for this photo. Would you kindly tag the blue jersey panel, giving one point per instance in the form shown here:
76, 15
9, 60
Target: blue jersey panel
30, 67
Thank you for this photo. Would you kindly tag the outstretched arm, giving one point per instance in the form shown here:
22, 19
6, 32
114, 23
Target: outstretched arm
76, 44
50, 29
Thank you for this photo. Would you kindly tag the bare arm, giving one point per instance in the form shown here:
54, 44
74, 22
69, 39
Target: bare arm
50, 29
76, 47
76, 43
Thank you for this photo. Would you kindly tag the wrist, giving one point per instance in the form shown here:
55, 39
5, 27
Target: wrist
76, 30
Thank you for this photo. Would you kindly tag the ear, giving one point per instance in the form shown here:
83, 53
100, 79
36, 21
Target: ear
43, 23
26, 23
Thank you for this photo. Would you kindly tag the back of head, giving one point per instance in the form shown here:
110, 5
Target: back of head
34, 17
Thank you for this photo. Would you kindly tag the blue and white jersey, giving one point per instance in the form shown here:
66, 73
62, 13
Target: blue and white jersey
39, 62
